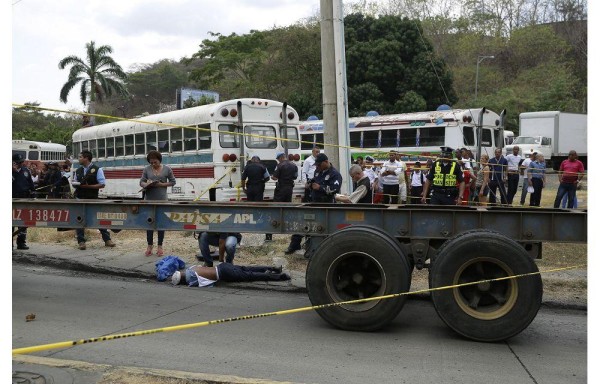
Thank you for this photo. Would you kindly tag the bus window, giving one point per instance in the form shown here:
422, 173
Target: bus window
292, 134
204, 137
128, 145
84, 146
408, 137
308, 142
190, 142
355, 139
101, 148
226, 139
93, 148
176, 140
110, 147
260, 142
370, 139
33, 155
140, 145
468, 136
319, 140
22, 153
486, 138
151, 144
119, 146
432, 136
163, 140
389, 137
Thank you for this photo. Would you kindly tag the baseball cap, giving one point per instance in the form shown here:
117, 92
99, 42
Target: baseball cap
18, 158
417, 163
447, 149
279, 154
369, 159
256, 157
321, 157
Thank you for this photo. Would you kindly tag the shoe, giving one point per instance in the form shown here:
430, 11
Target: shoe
22, 246
176, 278
268, 237
277, 269
284, 277
160, 252
82, 246
109, 243
289, 251
148, 251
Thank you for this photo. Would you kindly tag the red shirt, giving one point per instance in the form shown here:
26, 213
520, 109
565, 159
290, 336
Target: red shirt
570, 170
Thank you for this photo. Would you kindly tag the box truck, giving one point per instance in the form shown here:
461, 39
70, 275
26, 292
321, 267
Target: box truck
553, 134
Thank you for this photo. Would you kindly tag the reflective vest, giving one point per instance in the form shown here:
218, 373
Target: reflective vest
442, 180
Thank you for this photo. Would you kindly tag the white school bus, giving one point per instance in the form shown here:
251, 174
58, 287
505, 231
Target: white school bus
205, 147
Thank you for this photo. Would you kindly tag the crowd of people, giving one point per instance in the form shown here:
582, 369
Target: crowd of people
454, 178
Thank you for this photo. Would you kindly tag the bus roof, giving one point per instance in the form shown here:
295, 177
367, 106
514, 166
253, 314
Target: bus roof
28, 144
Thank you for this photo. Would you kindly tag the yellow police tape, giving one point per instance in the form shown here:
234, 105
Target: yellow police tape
66, 344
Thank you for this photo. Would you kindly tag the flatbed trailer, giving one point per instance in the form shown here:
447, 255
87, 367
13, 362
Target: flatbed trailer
361, 251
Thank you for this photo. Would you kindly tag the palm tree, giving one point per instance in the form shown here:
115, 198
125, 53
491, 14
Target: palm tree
99, 75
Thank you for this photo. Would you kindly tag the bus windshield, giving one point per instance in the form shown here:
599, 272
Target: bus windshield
526, 140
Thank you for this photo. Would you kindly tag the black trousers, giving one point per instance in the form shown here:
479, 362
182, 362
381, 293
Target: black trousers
415, 195
442, 199
255, 192
283, 193
236, 273
513, 186
390, 193
497, 186
536, 197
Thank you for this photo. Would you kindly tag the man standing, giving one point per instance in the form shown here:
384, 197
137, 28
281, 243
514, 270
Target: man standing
254, 177
402, 188
227, 243
372, 173
570, 174
362, 188
513, 160
89, 180
537, 179
446, 179
416, 182
285, 174
308, 171
523, 168
22, 187
326, 183
389, 179
498, 167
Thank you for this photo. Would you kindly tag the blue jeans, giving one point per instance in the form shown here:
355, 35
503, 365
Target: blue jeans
565, 189
207, 239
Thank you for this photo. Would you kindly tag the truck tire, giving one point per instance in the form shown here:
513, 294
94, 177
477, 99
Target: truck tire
355, 263
489, 311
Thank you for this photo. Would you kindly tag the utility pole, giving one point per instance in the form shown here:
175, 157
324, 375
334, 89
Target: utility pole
479, 60
335, 95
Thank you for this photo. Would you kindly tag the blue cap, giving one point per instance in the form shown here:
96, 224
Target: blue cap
321, 157
279, 154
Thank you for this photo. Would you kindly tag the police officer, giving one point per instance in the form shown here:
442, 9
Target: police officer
22, 187
444, 176
256, 175
285, 174
54, 181
89, 179
327, 181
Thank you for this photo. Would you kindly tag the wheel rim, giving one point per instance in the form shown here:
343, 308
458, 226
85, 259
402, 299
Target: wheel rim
490, 300
353, 276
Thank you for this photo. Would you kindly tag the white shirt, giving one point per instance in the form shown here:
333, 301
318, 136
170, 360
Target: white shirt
467, 163
308, 168
415, 180
372, 173
513, 161
394, 166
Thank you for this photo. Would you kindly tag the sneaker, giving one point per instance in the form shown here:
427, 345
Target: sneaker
22, 246
109, 243
284, 277
82, 246
277, 269
176, 278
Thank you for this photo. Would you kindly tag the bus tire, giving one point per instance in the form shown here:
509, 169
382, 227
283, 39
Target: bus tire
490, 311
354, 263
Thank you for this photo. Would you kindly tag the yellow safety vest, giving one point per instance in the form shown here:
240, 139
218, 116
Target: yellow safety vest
443, 180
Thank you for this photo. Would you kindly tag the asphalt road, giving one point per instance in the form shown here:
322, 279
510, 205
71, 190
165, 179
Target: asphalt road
416, 348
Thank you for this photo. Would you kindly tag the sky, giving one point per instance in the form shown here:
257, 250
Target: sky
140, 32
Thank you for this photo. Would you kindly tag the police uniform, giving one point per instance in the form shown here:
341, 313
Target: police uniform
329, 180
54, 181
444, 179
255, 176
22, 187
286, 173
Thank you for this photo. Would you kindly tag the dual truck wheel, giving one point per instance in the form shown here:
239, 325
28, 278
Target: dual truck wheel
359, 262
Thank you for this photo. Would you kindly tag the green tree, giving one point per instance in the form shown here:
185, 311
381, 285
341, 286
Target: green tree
98, 74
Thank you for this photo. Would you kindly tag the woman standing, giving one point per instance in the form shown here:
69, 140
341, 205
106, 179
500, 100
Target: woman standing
155, 180
537, 179
483, 178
